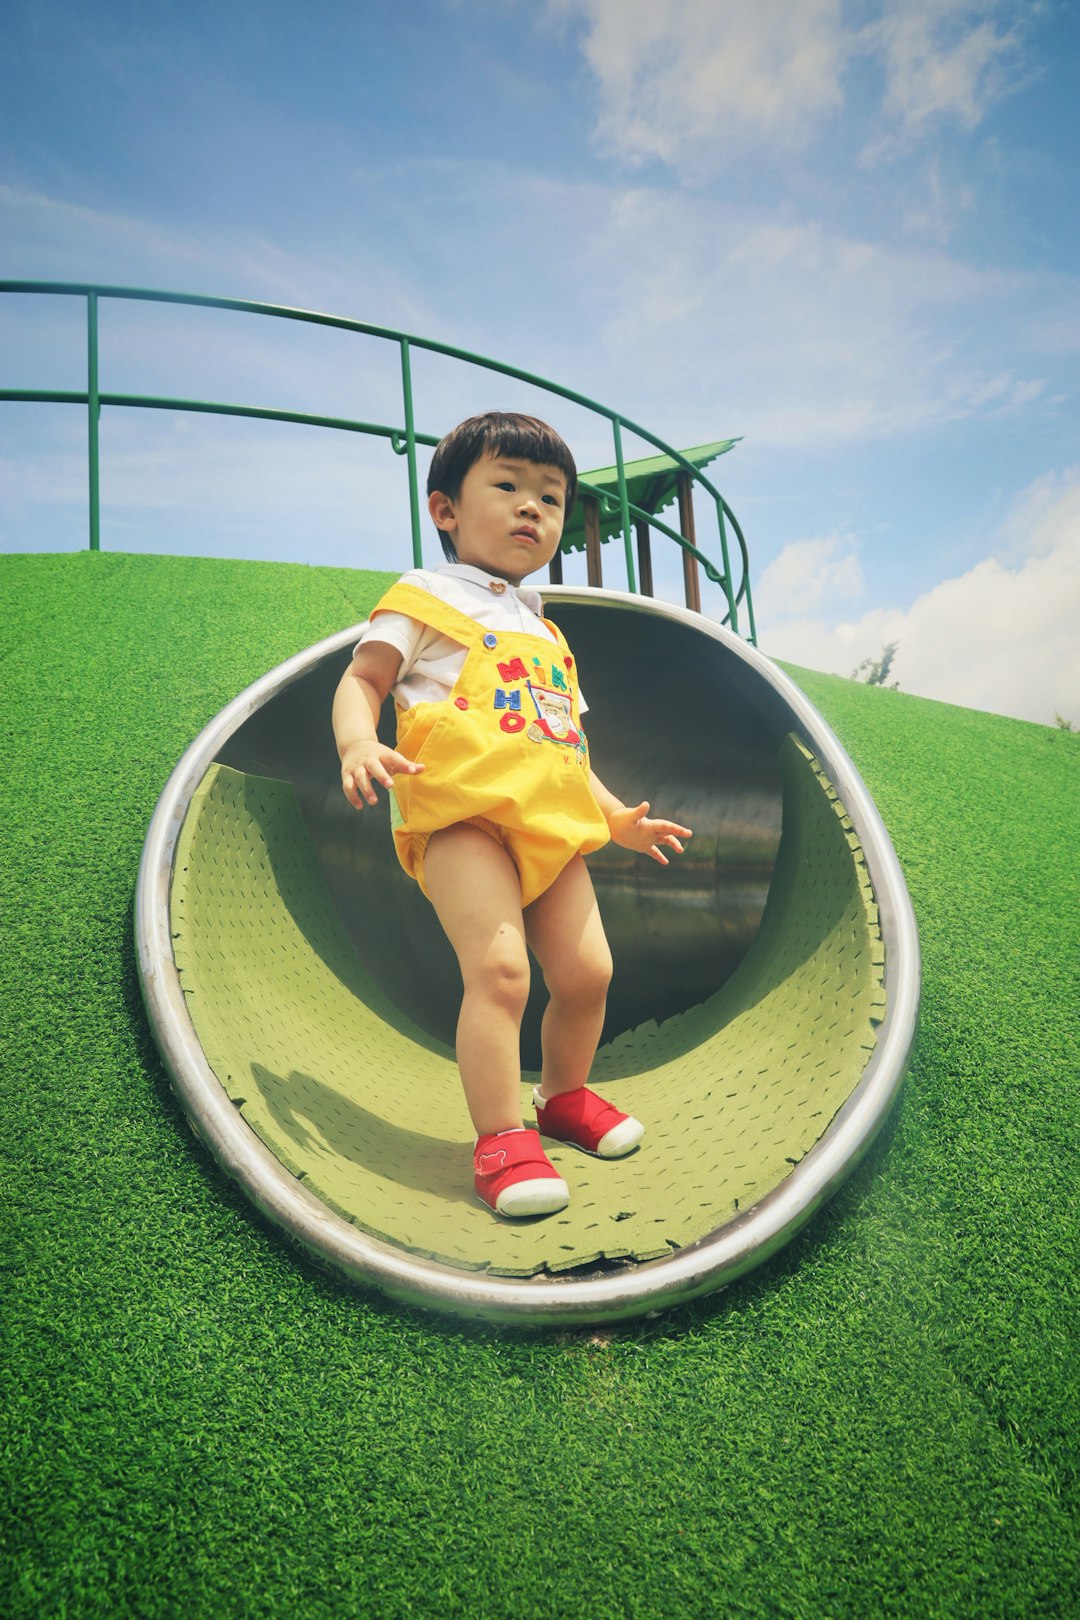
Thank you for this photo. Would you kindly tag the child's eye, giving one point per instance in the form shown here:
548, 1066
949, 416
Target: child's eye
505, 484
552, 500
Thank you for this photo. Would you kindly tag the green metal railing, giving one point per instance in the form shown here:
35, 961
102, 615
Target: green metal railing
405, 439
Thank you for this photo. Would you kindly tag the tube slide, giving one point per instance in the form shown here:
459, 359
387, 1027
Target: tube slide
761, 1017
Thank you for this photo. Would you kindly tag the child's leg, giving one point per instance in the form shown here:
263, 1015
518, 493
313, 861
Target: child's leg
567, 935
473, 884
565, 931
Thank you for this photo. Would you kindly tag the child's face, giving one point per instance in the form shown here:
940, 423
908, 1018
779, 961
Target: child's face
508, 516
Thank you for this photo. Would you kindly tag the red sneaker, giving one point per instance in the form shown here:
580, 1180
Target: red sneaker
514, 1176
587, 1121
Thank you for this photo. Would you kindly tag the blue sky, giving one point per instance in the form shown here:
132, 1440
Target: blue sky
845, 231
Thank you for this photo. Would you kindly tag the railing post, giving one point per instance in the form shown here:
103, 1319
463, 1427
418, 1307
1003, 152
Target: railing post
733, 617
93, 409
750, 614
624, 503
691, 583
410, 453
590, 507
644, 557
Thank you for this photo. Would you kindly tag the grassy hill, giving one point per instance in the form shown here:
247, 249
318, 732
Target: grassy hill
194, 1421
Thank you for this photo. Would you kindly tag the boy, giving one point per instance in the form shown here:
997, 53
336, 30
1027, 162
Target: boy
495, 798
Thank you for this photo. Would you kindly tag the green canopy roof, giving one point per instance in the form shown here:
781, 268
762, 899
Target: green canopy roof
650, 484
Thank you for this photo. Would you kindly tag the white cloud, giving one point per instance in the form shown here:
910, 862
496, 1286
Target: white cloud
699, 81
1041, 515
938, 205
50, 235
205, 486
808, 574
808, 335
1002, 636
944, 59
676, 73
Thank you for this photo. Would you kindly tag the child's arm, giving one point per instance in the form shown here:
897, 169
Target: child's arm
358, 703
633, 829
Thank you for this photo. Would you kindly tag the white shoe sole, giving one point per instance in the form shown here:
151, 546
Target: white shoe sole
620, 1139
544, 1197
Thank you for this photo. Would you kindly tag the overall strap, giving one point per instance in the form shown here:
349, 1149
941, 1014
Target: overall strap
427, 609
560, 639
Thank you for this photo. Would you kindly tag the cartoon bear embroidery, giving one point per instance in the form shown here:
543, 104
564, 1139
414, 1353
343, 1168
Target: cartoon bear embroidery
554, 717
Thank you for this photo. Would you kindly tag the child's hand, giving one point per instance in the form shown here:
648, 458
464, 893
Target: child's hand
366, 763
634, 830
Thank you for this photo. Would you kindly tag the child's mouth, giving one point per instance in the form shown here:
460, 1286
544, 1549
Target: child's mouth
527, 534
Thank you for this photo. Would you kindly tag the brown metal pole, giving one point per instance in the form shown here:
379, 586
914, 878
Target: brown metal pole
644, 558
591, 511
555, 569
691, 582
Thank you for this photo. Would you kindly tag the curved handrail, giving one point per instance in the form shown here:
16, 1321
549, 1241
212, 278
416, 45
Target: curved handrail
403, 440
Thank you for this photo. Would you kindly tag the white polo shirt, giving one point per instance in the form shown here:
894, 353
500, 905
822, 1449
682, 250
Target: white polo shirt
432, 662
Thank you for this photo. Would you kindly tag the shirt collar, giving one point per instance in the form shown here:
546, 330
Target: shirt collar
476, 576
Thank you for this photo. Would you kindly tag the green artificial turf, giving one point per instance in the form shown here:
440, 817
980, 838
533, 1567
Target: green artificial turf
195, 1421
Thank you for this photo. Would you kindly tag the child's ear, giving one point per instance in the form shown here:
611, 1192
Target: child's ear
441, 508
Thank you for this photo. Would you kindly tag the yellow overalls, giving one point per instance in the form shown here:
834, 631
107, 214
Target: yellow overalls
505, 750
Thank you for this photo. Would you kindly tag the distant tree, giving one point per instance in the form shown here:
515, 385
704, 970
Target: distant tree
877, 669
1063, 724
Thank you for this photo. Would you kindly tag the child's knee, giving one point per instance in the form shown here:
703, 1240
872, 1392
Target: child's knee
584, 980
502, 976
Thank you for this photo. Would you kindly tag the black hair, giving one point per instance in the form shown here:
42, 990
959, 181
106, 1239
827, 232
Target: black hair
496, 433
